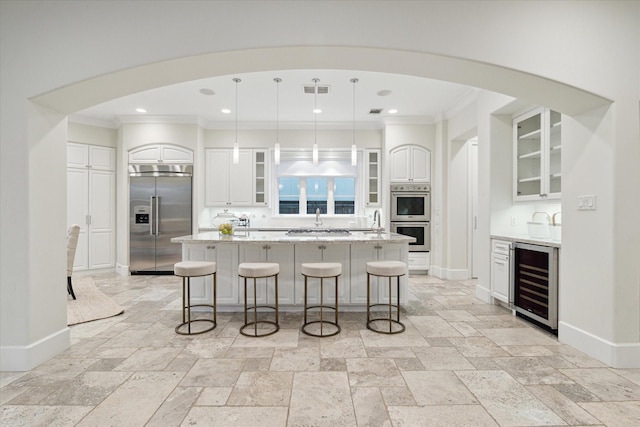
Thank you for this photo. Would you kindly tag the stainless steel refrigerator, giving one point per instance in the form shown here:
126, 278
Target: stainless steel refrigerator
159, 209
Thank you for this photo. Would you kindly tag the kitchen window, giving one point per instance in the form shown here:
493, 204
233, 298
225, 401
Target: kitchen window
302, 188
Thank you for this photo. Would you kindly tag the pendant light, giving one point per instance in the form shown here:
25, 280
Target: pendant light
354, 148
315, 121
236, 147
276, 153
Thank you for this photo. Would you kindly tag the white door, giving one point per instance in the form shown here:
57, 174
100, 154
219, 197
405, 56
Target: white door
77, 202
102, 195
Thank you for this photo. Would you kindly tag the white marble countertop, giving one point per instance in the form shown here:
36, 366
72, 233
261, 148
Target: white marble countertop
282, 237
525, 238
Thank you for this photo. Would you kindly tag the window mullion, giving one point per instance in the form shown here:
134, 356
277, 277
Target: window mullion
330, 197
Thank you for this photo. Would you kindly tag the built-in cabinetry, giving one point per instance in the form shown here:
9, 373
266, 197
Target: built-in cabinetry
361, 253
419, 261
160, 153
91, 202
242, 184
501, 270
537, 149
372, 165
410, 163
226, 259
270, 252
323, 252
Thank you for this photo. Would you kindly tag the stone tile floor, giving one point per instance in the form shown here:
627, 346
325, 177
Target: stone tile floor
461, 362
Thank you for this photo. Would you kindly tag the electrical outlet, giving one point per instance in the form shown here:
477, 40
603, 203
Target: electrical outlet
514, 220
587, 203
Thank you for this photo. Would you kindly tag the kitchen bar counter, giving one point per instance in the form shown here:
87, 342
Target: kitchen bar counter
352, 250
525, 238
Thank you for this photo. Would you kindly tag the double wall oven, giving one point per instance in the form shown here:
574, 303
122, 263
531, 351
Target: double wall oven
411, 213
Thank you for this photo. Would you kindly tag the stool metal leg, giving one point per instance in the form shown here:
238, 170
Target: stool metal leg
368, 298
187, 307
255, 307
321, 302
389, 318
277, 323
189, 304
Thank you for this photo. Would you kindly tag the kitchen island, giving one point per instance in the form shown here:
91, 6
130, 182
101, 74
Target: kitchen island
353, 249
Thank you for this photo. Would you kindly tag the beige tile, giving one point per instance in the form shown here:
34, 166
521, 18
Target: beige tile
213, 373
282, 338
527, 350
149, 359
433, 326
615, 413
341, 347
507, 400
630, 374
88, 389
456, 315
175, 408
442, 358
262, 389
135, 401
207, 347
212, 416
31, 415
390, 352
530, 370
373, 373
438, 388
397, 396
519, 336
604, 383
568, 410
297, 359
321, 399
214, 396
410, 337
440, 415
477, 347
370, 408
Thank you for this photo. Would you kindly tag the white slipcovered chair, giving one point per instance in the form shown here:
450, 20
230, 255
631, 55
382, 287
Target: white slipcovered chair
72, 243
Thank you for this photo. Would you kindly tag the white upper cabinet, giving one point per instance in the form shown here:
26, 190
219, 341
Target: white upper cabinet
410, 163
537, 151
85, 156
372, 180
227, 184
161, 153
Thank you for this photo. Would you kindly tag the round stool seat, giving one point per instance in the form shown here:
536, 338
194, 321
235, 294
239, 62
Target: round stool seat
386, 268
258, 269
194, 268
322, 269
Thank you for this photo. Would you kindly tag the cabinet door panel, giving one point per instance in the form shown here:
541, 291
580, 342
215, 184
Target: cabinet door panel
102, 158
500, 276
217, 177
176, 155
420, 165
77, 155
399, 165
145, 155
361, 253
240, 180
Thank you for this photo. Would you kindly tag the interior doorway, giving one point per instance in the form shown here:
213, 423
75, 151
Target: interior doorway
472, 149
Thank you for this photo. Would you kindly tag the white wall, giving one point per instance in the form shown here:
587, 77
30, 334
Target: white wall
573, 66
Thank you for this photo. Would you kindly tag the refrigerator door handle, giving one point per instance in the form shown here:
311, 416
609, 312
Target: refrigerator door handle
157, 220
152, 207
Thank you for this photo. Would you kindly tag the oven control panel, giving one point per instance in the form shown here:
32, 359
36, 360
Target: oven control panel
410, 187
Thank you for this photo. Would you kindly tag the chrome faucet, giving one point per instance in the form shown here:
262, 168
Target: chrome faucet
318, 222
376, 219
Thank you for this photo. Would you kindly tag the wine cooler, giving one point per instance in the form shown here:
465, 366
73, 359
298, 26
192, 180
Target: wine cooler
536, 284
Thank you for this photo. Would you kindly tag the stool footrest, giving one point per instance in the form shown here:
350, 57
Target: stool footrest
213, 323
321, 322
255, 323
389, 321
321, 306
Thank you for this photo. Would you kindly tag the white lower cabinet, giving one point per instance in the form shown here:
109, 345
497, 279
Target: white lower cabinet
283, 255
419, 261
361, 253
322, 252
500, 271
226, 258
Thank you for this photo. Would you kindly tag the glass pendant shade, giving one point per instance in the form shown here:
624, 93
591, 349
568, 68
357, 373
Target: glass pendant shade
276, 154
315, 153
236, 153
276, 148
354, 148
236, 147
354, 155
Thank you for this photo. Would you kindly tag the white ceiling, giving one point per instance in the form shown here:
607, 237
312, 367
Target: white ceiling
415, 98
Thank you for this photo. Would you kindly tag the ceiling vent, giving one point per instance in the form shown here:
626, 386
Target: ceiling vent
375, 111
322, 90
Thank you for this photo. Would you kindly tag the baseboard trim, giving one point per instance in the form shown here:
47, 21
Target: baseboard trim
483, 294
25, 358
122, 270
621, 356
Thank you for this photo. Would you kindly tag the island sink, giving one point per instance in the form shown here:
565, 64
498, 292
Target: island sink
318, 232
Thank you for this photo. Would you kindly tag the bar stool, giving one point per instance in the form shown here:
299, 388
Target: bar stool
385, 269
259, 270
321, 270
187, 270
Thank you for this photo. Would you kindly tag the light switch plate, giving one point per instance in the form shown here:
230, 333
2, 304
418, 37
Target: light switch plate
587, 203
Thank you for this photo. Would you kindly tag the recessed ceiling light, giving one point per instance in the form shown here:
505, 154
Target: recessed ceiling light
317, 110
393, 111
141, 110
385, 92
207, 91
226, 111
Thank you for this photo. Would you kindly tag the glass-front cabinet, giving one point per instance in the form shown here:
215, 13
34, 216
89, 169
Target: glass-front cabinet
537, 154
373, 177
260, 195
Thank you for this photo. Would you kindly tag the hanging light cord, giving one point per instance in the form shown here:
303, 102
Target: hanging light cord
277, 80
236, 81
315, 109
354, 81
